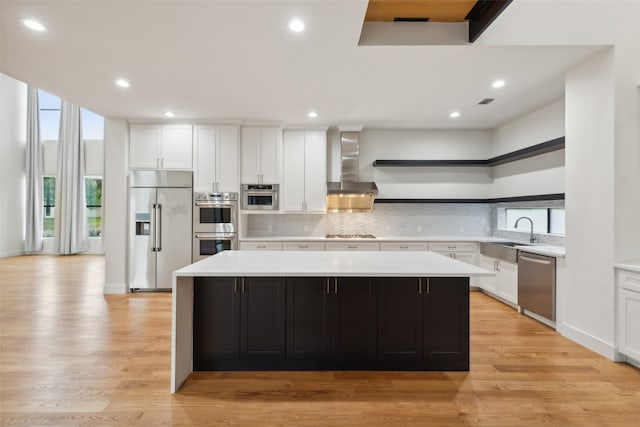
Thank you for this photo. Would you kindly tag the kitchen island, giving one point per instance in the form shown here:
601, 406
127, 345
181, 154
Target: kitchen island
266, 310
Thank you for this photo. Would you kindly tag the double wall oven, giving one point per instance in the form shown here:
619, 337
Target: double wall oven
215, 223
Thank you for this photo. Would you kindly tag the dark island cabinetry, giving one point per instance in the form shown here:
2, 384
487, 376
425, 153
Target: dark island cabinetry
406, 323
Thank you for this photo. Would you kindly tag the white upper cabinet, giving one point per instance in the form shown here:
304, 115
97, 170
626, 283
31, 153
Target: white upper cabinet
261, 154
216, 158
160, 146
305, 171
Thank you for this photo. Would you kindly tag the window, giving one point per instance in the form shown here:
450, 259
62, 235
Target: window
93, 188
49, 195
92, 132
545, 220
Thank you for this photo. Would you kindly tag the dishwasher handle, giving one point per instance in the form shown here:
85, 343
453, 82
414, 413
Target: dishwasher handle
538, 261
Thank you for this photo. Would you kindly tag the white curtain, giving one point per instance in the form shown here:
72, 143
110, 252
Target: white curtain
33, 168
71, 232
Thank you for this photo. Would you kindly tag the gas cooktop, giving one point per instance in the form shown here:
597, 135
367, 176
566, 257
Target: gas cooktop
350, 236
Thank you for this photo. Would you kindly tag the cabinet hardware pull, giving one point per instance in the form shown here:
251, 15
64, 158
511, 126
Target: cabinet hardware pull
352, 247
335, 285
498, 265
303, 246
404, 247
243, 289
261, 247
420, 285
451, 247
428, 287
327, 285
454, 255
235, 285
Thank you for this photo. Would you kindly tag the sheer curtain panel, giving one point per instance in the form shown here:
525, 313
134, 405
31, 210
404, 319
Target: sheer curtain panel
33, 169
71, 232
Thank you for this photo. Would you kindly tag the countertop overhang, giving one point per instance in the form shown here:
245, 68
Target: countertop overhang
329, 264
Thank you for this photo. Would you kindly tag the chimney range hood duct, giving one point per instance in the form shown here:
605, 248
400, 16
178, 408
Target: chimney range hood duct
350, 195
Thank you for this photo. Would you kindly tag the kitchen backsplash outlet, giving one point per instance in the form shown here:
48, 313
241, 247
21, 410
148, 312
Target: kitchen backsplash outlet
386, 220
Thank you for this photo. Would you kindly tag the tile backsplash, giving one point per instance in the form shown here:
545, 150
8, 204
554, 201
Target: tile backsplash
386, 220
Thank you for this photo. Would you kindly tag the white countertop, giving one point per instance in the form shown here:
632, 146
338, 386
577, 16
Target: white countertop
632, 266
330, 263
554, 251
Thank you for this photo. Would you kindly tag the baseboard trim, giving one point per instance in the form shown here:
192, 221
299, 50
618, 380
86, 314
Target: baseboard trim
10, 254
116, 288
589, 341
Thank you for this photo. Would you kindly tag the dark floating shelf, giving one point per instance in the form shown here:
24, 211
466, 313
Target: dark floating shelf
525, 153
555, 196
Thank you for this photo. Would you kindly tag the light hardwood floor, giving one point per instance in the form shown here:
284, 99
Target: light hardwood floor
73, 356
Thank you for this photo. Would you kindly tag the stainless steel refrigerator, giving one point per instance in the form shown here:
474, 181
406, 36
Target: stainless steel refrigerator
160, 221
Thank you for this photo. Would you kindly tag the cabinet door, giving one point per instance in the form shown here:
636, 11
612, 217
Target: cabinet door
354, 319
315, 173
177, 147
508, 281
227, 159
261, 246
144, 146
355, 246
446, 319
402, 246
270, 154
250, 163
204, 158
216, 321
400, 318
308, 318
629, 321
488, 283
293, 180
262, 309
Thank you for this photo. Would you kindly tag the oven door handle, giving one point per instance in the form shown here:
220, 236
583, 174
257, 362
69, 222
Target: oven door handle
216, 204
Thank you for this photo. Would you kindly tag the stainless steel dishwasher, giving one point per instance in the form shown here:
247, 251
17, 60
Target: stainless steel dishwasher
537, 284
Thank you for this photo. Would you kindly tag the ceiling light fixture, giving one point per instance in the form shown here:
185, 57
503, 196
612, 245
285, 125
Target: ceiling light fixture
168, 114
312, 114
497, 84
33, 25
122, 83
454, 114
296, 25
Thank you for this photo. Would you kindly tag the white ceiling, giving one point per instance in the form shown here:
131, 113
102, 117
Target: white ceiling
237, 61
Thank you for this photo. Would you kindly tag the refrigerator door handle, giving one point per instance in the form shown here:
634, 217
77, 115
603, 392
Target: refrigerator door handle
158, 227
153, 227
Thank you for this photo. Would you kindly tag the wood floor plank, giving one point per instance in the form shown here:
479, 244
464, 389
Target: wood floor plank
71, 356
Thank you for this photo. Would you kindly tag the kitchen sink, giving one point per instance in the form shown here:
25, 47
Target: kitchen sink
505, 251
511, 244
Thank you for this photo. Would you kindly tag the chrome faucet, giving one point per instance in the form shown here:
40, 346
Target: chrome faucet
532, 237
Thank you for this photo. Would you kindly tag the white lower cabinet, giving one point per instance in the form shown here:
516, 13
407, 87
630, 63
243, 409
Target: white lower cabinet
352, 246
505, 283
462, 251
261, 246
403, 246
628, 333
303, 246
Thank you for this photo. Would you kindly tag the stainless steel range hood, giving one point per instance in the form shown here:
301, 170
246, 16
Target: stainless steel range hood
350, 195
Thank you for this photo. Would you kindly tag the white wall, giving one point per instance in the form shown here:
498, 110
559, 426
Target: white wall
587, 299
542, 174
114, 199
421, 182
13, 136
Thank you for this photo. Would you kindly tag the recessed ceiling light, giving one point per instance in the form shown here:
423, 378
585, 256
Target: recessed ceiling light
168, 114
296, 25
122, 83
454, 114
497, 84
312, 114
33, 25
